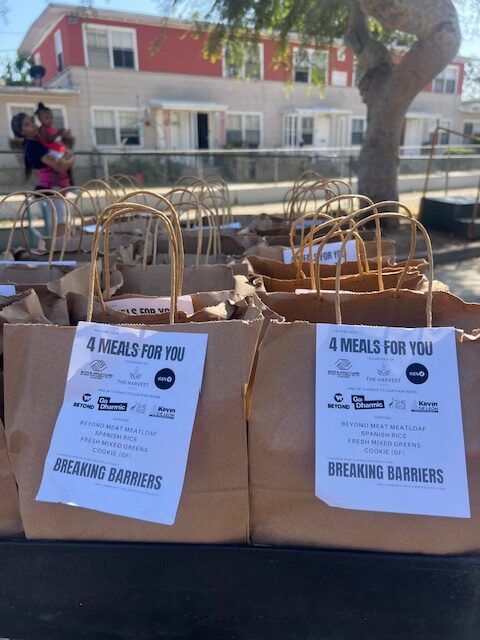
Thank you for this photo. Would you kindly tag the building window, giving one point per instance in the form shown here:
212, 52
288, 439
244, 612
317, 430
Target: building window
58, 112
341, 54
310, 66
37, 58
58, 50
446, 82
122, 48
339, 78
358, 130
252, 64
298, 131
443, 136
243, 130
110, 48
116, 127
306, 133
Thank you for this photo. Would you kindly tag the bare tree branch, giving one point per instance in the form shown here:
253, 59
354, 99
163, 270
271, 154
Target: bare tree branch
369, 51
434, 23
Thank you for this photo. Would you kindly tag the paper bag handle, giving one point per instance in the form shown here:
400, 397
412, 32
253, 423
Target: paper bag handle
414, 222
94, 276
141, 208
21, 212
70, 222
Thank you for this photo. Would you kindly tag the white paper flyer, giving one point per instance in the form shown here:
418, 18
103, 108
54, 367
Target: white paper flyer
149, 305
121, 440
329, 255
389, 432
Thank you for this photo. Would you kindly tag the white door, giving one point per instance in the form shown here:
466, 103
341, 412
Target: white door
322, 131
181, 134
413, 133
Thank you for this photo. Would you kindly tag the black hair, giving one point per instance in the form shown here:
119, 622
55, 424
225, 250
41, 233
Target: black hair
41, 107
16, 125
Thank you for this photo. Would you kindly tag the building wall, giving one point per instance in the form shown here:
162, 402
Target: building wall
172, 67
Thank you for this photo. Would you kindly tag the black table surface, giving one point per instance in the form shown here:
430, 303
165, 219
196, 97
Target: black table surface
73, 590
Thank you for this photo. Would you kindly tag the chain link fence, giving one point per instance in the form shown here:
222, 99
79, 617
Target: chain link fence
160, 169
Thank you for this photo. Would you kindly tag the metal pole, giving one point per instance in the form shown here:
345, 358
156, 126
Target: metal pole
430, 159
447, 172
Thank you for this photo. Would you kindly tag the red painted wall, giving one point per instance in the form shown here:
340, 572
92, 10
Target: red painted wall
337, 65
173, 50
47, 58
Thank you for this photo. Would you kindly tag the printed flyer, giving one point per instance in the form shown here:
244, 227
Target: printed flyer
121, 440
143, 305
329, 255
388, 421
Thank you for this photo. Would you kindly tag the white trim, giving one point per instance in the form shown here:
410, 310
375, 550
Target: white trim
259, 114
310, 51
58, 48
242, 75
109, 29
116, 117
341, 54
457, 78
47, 33
33, 106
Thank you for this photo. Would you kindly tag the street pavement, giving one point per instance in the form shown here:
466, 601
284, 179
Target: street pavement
463, 278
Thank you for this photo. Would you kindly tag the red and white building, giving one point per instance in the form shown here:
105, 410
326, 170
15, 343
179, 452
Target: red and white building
130, 80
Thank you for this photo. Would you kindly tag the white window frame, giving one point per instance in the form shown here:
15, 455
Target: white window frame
352, 118
23, 105
243, 115
457, 76
242, 75
341, 54
37, 58
344, 74
118, 143
109, 29
58, 45
310, 51
296, 120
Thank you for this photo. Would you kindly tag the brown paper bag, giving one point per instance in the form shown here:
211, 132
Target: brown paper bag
10, 521
276, 252
282, 271
214, 503
50, 282
155, 280
284, 509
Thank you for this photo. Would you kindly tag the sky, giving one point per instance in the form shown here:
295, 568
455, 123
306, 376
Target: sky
23, 12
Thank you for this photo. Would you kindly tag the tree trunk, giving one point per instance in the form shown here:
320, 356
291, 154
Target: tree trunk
388, 89
378, 159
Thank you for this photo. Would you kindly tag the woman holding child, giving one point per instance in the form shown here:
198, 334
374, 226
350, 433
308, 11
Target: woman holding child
43, 149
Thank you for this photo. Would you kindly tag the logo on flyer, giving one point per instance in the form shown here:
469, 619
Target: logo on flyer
164, 379
417, 373
401, 405
96, 370
384, 371
135, 374
359, 402
85, 404
420, 406
338, 404
105, 404
343, 364
342, 369
98, 365
159, 411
